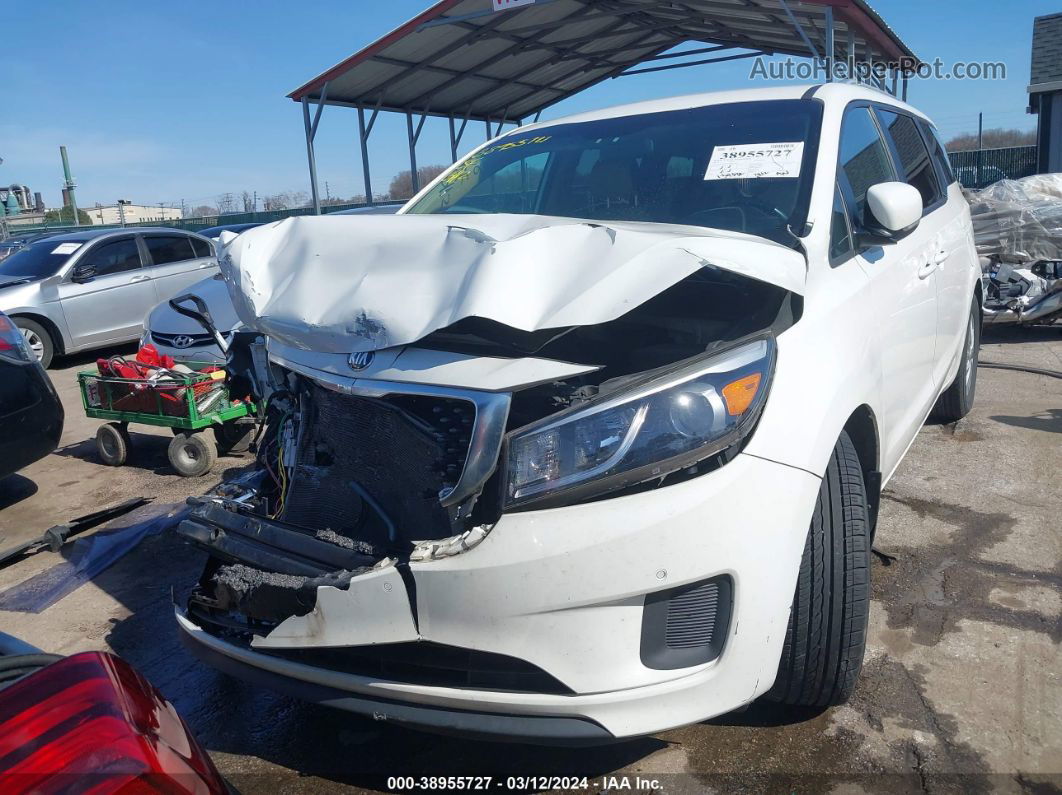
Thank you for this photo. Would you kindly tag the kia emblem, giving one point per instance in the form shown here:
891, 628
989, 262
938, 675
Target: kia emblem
359, 360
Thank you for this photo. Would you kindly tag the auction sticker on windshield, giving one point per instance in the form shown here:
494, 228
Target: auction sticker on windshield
66, 248
756, 161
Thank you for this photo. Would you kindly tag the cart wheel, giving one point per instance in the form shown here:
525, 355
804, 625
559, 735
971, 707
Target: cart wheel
112, 443
234, 437
192, 455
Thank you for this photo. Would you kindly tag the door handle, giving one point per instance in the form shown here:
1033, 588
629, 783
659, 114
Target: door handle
139, 279
925, 270
941, 256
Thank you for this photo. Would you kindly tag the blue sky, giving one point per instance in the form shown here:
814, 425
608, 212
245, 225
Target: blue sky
162, 102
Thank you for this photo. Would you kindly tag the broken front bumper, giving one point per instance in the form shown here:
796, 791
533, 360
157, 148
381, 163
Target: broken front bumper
566, 591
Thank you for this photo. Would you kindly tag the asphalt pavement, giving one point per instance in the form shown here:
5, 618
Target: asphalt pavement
961, 689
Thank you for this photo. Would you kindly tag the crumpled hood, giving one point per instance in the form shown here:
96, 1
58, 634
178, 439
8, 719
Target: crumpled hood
344, 284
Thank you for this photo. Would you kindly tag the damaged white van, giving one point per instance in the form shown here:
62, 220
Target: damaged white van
587, 442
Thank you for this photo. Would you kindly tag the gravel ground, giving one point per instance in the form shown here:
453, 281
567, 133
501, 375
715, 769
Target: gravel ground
961, 689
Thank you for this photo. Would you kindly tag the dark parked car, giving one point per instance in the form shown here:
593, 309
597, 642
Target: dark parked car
31, 416
214, 232
14, 244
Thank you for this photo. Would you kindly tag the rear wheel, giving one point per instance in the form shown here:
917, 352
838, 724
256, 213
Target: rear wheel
191, 454
957, 400
38, 339
112, 443
825, 639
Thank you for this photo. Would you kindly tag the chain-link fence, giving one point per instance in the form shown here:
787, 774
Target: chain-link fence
976, 168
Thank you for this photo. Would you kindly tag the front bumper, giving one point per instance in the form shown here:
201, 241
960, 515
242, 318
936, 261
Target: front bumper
565, 589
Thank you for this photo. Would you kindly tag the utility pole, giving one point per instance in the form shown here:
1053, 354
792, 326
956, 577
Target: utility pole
69, 184
254, 206
121, 210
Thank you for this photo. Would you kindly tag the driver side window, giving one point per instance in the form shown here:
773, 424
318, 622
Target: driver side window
864, 159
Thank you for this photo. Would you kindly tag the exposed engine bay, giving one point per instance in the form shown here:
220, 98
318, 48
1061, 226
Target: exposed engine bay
358, 473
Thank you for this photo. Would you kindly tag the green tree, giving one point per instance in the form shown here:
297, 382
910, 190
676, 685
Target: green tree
66, 216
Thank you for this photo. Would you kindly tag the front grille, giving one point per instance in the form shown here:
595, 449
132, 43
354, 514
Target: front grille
374, 468
688, 625
197, 340
431, 664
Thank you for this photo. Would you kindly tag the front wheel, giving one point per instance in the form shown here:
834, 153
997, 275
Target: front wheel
112, 443
956, 401
826, 636
37, 339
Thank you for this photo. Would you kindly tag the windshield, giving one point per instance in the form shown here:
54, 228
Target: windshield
38, 260
746, 167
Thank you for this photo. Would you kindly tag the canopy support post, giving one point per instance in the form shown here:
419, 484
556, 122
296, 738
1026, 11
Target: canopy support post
829, 43
364, 131
414, 136
311, 133
800, 29
852, 74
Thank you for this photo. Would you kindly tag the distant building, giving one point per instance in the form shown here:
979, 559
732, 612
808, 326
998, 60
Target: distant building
1045, 91
134, 214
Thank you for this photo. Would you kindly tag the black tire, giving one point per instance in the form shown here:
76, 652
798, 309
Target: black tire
826, 636
957, 400
191, 454
38, 338
234, 437
112, 444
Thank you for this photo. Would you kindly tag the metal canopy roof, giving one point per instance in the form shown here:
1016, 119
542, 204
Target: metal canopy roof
462, 59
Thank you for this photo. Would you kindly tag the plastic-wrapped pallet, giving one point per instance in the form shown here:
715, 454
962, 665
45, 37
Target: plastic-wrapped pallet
1019, 221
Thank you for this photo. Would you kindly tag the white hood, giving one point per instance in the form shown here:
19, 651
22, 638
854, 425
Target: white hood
344, 284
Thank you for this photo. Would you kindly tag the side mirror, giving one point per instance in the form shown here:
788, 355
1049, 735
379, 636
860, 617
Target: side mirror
83, 273
893, 210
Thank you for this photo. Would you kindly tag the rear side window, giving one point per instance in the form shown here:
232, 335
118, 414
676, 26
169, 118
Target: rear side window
864, 158
166, 249
914, 161
113, 257
201, 247
937, 150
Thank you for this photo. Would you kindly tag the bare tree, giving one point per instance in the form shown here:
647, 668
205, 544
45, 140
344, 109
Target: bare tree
997, 138
300, 198
402, 182
248, 202
277, 201
201, 211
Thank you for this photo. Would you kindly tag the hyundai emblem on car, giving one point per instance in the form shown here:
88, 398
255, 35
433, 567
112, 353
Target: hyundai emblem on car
182, 341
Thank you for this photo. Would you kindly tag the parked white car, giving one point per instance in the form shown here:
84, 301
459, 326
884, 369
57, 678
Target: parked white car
588, 442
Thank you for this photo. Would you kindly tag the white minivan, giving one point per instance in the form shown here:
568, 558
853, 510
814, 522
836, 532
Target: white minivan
588, 441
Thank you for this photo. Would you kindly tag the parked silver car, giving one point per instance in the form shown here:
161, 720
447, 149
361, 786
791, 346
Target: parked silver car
89, 289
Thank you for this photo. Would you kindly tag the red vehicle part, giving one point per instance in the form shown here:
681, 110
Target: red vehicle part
91, 724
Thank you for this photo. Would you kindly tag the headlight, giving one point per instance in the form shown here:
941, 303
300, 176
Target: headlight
662, 424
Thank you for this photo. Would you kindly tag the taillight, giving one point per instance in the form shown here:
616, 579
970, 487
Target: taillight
12, 343
91, 724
